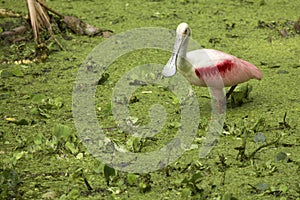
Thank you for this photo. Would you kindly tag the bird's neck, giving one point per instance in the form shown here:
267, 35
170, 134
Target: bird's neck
184, 66
183, 48
182, 63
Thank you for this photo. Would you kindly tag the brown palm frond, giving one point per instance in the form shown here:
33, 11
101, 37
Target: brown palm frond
39, 18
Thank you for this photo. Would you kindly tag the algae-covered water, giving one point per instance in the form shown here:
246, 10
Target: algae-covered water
42, 155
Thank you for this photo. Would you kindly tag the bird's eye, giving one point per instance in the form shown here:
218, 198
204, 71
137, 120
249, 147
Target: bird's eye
185, 32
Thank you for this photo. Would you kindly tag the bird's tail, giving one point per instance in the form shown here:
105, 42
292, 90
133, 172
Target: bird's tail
253, 70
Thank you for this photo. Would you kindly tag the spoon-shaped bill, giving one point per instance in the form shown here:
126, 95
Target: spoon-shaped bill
170, 68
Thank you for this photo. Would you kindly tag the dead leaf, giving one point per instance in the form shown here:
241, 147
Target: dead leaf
5, 13
81, 28
283, 32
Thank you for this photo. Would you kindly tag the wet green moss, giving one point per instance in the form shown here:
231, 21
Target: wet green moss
33, 169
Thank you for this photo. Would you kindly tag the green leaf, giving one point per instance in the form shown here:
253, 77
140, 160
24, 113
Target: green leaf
108, 172
17, 156
262, 186
135, 144
131, 178
174, 125
5, 74
103, 78
17, 72
98, 167
22, 122
43, 113
259, 125
259, 137
51, 144
9, 181
34, 111
38, 139
71, 147
74, 194
240, 94
196, 177
49, 195
38, 98
4, 96
143, 187
227, 196
58, 102
283, 188
280, 156
62, 132
79, 156
186, 193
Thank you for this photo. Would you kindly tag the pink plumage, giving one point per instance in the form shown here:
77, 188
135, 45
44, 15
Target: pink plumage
209, 63
208, 67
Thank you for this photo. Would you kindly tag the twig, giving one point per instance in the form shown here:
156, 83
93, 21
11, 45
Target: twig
50, 9
253, 187
89, 187
263, 146
242, 149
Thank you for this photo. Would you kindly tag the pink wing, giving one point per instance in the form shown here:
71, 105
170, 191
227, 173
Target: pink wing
210, 64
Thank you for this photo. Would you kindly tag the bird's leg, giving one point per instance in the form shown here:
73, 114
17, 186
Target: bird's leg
219, 98
230, 91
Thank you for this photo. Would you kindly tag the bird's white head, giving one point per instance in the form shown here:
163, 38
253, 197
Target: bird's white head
183, 32
183, 29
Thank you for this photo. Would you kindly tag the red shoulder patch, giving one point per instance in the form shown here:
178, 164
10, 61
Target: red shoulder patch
221, 68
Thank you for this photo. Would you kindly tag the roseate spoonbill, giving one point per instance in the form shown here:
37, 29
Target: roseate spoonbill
208, 67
